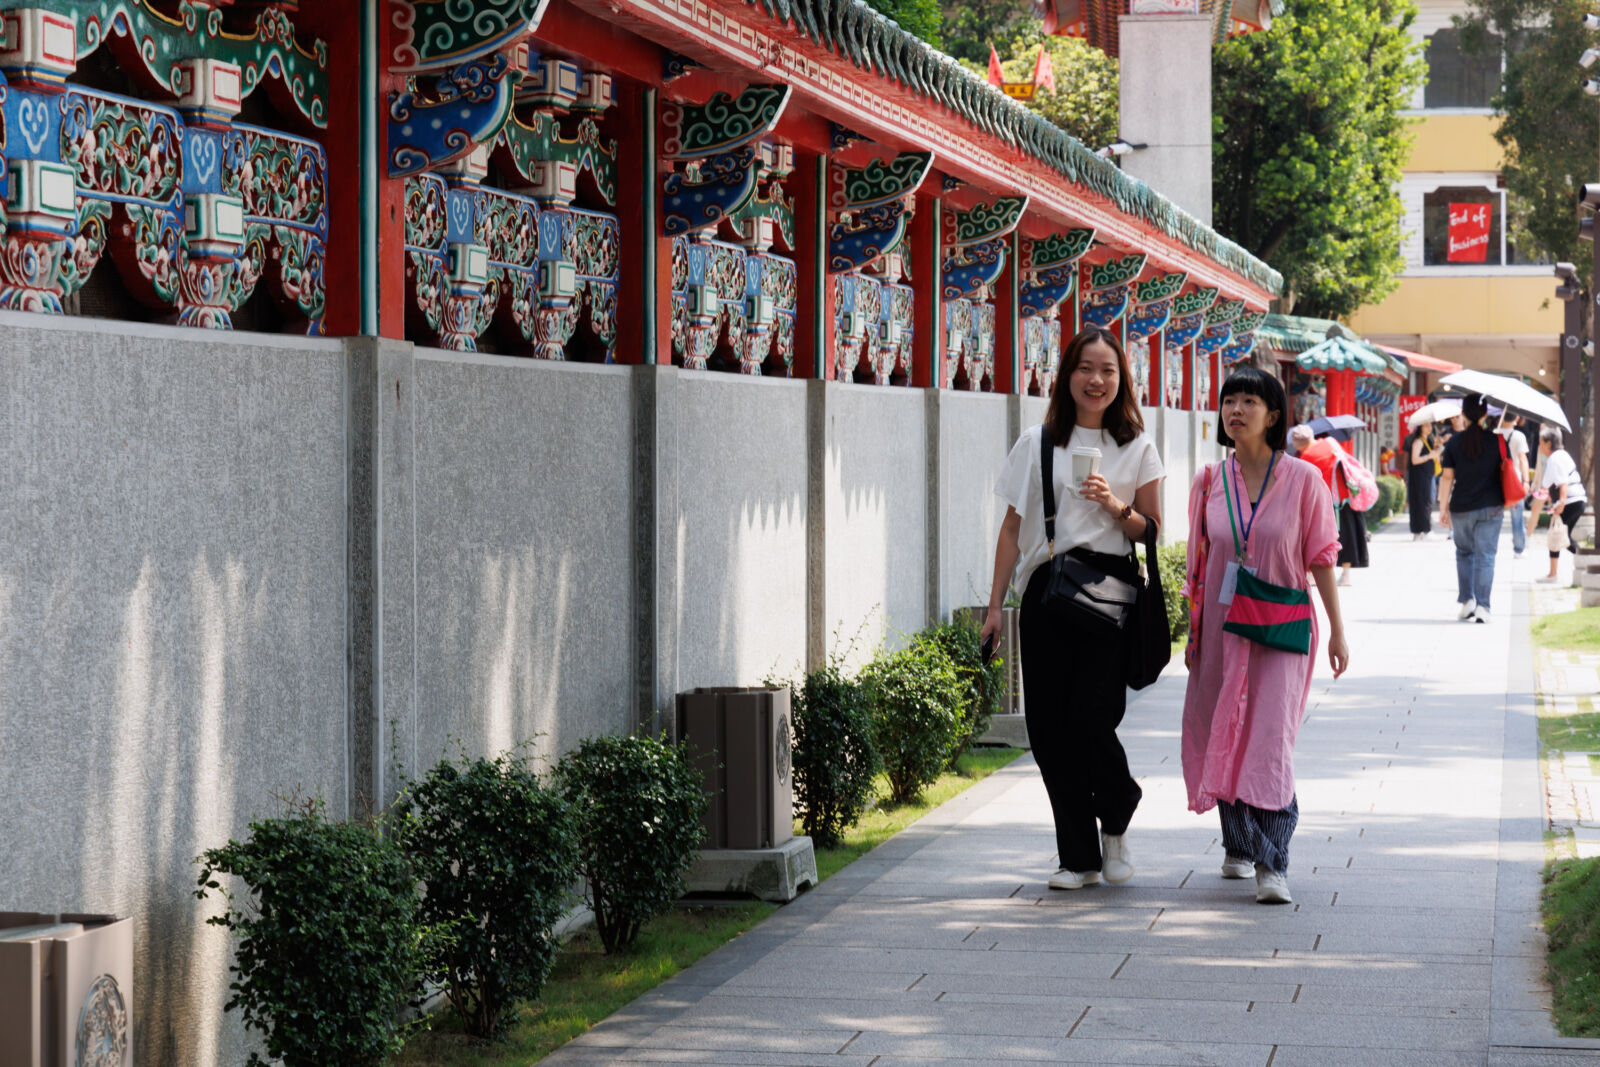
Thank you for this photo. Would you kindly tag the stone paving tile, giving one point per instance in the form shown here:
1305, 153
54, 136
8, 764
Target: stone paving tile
726, 1039
1299, 1055
1119, 1021
936, 1048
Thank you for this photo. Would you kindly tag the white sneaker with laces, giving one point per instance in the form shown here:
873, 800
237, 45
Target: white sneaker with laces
1481, 614
1271, 887
1467, 608
1235, 867
1115, 863
1065, 879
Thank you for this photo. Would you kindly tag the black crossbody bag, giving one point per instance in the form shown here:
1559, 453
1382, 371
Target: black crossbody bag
1077, 590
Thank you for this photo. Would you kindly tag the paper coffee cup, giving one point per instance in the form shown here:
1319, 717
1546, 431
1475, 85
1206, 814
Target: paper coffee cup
1085, 461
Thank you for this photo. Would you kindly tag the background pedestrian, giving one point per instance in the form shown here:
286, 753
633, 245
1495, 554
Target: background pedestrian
1471, 506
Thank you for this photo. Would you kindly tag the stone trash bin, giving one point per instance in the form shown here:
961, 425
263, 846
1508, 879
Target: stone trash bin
66, 990
740, 740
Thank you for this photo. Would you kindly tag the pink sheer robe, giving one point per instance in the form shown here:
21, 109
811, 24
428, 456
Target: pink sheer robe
1245, 701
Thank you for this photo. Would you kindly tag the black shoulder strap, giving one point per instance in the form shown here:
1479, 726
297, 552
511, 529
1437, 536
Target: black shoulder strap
1047, 472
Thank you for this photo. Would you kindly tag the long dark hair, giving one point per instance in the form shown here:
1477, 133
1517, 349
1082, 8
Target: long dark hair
1257, 382
1122, 419
1474, 439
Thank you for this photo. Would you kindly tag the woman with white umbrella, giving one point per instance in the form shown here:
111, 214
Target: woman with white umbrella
1422, 450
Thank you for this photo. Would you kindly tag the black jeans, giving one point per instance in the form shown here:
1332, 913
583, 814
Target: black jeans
1074, 698
1569, 515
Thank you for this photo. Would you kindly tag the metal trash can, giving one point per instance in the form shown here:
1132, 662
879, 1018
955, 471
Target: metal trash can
739, 740
66, 990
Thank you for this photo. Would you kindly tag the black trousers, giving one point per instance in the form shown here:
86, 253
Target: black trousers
1569, 515
1074, 698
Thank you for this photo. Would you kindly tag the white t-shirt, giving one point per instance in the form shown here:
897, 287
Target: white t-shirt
1559, 470
1078, 522
1516, 445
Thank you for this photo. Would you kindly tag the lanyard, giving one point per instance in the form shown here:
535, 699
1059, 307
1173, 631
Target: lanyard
1232, 500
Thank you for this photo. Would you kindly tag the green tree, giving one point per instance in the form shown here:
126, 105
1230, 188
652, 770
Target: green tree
1309, 143
1549, 129
920, 17
1084, 102
971, 26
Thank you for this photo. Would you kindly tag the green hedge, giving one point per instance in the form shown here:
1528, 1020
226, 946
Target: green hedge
1391, 499
1174, 571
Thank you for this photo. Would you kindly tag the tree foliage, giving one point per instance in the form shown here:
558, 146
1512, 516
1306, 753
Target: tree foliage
920, 17
1309, 144
971, 26
1549, 131
1084, 102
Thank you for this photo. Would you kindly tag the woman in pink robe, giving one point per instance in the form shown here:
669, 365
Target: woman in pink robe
1245, 701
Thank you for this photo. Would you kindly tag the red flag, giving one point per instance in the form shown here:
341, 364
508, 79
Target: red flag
1044, 74
1468, 233
996, 78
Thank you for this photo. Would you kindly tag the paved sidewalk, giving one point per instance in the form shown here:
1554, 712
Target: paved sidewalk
1415, 874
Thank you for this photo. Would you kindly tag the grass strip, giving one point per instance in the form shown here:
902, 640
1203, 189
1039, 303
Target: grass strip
1572, 920
586, 985
1571, 631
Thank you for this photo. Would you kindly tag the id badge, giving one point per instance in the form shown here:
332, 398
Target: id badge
1230, 580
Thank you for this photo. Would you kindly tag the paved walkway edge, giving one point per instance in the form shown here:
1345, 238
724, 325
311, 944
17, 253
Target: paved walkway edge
1519, 1013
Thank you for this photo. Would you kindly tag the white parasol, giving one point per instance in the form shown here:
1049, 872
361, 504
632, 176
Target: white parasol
1438, 411
1518, 396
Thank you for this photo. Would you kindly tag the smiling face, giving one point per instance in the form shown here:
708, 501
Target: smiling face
1094, 382
1247, 417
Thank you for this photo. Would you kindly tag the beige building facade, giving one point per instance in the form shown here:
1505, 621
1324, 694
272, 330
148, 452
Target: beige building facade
1482, 303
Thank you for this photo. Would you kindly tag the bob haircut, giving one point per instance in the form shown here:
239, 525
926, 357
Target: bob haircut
1122, 419
1259, 383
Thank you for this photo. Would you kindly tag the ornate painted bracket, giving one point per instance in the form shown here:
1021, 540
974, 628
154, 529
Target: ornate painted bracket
722, 293
1152, 304
1224, 311
462, 64
174, 57
767, 218
972, 269
1243, 340
194, 209
873, 205
1108, 288
1194, 302
551, 163
718, 147
1214, 338
1052, 270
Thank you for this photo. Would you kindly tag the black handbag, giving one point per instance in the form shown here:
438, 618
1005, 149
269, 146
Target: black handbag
1150, 645
1076, 590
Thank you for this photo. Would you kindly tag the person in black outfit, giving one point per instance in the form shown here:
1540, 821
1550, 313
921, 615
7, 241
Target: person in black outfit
1472, 507
1420, 452
1073, 702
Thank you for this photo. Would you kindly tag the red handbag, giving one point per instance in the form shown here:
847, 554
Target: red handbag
1511, 486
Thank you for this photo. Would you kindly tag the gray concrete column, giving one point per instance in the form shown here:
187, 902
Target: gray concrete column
380, 387
656, 545
1166, 105
935, 510
816, 523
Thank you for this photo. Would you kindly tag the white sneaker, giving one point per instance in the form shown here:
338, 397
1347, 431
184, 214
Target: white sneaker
1481, 614
1271, 887
1115, 863
1548, 579
1234, 867
1065, 879
1467, 609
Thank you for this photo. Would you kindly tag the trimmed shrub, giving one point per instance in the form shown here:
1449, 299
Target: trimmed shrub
639, 803
962, 641
328, 949
1174, 563
1391, 498
917, 711
834, 757
498, 855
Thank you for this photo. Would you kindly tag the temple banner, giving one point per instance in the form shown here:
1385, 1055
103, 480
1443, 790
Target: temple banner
1469, 233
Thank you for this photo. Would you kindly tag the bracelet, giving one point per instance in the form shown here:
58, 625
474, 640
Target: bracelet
1125, 513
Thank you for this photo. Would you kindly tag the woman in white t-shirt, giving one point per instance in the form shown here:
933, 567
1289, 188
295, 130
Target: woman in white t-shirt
1072, 676
1563, 486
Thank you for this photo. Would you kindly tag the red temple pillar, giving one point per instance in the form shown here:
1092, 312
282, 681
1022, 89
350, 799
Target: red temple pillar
813, 342
927, 279
1008, 321
644, 333
1156, 387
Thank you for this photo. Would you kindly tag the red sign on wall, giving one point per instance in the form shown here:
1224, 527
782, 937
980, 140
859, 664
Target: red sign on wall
1469, 233
1408, 404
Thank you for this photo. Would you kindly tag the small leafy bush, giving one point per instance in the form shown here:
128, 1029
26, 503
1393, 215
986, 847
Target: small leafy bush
1391, 498
497, 854
918, 706
962, 641
639, 803
329, 945
835, 760
1174, 563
